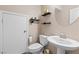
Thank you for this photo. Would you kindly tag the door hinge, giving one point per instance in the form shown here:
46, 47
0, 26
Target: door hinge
2, 20
2, 52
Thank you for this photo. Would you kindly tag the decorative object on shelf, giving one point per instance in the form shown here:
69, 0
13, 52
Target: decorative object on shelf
45, 10
46, 23
34, 19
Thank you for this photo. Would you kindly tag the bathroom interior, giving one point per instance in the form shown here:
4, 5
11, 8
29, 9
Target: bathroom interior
39, 29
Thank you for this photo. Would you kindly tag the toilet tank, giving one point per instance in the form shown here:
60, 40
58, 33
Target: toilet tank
43, 40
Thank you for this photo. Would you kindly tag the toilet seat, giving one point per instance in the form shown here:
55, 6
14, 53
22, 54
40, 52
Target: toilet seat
35, 47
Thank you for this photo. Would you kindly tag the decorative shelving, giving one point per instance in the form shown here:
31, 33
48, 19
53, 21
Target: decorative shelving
47, 13
34, 19
46, 23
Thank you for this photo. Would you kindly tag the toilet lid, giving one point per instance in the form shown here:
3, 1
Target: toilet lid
35, 46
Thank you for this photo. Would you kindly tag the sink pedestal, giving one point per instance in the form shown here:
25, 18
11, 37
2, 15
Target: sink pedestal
60, 51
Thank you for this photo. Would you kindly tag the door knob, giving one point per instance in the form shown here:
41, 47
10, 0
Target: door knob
24, 31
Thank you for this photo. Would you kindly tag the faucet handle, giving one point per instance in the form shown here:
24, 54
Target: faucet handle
62, 35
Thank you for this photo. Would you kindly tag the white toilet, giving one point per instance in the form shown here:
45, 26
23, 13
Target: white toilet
37, 48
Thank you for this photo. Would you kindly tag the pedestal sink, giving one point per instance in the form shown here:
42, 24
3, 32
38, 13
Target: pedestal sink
63, 44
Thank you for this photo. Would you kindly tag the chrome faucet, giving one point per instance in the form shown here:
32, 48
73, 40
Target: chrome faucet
62, 35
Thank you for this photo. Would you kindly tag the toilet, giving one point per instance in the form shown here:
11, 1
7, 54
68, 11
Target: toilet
37, 48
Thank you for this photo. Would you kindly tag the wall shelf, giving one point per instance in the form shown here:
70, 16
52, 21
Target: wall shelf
32, 20
46, 23
47, 13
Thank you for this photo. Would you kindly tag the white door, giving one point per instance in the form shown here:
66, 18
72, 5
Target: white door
14, 33
0, 33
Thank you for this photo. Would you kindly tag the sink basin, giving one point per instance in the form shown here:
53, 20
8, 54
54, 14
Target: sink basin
63, 44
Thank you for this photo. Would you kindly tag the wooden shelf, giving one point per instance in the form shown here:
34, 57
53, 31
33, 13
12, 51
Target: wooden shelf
33, 20
46, 23
47, 13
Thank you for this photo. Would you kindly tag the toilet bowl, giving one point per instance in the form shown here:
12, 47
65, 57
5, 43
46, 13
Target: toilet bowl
37, 48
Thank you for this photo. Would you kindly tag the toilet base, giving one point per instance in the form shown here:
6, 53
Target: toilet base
39, 52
